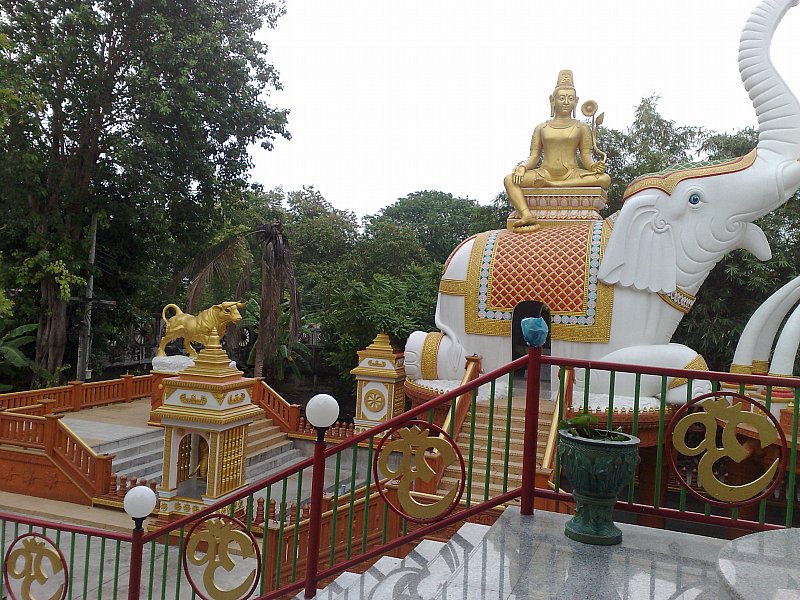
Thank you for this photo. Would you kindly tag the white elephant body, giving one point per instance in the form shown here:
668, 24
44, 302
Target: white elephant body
673, 228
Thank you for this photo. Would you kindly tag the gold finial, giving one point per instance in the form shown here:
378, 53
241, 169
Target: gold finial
381, 342
212, 361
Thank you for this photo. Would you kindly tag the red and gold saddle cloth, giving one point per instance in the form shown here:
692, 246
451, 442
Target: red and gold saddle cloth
557, 264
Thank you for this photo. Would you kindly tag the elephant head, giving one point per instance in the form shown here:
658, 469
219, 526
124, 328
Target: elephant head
676, 225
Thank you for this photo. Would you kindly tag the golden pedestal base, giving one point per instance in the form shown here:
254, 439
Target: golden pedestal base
562, 204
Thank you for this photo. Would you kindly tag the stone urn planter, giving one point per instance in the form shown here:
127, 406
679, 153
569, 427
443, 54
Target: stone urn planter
597, 469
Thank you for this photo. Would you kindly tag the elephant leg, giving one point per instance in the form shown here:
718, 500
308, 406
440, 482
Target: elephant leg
434, 355
672, 356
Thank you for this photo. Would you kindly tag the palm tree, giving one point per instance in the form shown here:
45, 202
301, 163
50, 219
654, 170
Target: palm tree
277, 281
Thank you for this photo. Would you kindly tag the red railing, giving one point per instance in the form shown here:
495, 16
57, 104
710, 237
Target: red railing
79, 395
93, 469
284, 415
22, 431
87, 469
299, 538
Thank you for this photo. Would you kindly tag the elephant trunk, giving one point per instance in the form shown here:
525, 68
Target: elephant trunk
777, 108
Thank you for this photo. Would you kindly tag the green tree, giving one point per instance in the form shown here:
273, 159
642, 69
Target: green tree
650, 144
440, 220
359, 310
323, 239
144, 106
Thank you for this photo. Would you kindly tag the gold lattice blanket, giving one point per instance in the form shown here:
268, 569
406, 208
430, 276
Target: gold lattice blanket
557, 264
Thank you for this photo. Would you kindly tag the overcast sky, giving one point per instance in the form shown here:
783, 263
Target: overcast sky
388, 98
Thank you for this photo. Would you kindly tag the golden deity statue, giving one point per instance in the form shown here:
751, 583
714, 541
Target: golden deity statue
558, 142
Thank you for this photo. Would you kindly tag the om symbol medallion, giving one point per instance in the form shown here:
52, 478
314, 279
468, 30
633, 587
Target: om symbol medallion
741, 431
413, 444
212, 545
34, 560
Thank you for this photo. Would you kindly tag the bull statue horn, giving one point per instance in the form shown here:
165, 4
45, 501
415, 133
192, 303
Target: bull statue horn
241, 304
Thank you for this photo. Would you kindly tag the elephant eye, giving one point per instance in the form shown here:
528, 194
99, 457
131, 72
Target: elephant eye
694, 199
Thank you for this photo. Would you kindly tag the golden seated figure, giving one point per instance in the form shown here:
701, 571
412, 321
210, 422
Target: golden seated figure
558, 142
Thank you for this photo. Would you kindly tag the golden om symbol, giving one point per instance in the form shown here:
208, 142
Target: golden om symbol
33, 554
732, 415
218, 536
413, 443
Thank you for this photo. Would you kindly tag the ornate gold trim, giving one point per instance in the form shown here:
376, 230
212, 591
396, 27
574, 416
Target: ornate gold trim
741, 369
679, 299
195, 415
760, 366
213, 464
237, 398
169, 431
430, 354
193, 399
453, 287
175, 384
667, 181
698, 363
374, 400
383, 375
598, 331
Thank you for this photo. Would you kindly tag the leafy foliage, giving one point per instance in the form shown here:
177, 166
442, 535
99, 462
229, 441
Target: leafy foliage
12, 360
585, 425
650, 144
140, 113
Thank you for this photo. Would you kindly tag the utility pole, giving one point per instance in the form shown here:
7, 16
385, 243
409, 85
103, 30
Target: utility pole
85, 339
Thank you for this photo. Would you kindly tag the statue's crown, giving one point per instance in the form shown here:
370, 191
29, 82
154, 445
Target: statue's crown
565, 79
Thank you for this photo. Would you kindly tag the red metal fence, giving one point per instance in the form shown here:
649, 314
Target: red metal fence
288, 539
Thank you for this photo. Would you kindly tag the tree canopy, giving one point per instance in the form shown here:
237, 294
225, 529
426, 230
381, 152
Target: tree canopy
139, 113
142, 115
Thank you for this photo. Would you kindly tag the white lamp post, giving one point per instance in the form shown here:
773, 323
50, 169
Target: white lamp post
139, 502
321, 411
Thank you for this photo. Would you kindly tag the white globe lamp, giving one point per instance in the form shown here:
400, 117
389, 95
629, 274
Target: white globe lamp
139, 502
322, 411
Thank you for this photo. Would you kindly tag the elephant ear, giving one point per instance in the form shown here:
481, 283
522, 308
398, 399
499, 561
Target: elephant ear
641, 252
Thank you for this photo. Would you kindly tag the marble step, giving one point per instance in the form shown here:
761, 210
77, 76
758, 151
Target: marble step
143, 443
522, 558
273, 464
140, 456
418, 575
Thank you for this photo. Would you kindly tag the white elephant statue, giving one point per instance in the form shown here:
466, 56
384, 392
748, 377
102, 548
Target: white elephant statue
647, 261
770, 328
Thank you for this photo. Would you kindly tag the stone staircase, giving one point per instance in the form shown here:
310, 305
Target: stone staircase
522, 558
452, 474
268, 450
421, 574
141, 455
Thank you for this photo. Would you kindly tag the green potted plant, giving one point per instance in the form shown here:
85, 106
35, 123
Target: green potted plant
598, 464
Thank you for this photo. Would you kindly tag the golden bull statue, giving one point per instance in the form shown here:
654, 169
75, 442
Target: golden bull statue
197, 328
